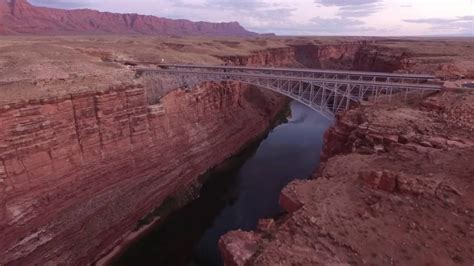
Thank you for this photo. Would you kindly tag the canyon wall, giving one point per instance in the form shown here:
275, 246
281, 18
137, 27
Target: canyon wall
391, 187
20, 17
396, 187
373, 57
77, 172
354, 55
333, 56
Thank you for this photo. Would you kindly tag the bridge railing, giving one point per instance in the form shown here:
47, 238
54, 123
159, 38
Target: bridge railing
391, 84
310, 73
324, 92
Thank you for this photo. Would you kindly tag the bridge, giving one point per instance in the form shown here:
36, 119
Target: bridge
325, 91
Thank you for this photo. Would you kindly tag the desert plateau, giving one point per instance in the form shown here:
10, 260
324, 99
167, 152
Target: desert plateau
131, 139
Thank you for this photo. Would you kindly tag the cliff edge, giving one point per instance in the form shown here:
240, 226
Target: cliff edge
396, 188
20, 17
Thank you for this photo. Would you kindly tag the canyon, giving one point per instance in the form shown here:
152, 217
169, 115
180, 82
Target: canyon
20, 17
86, 157
395, 187
80, 171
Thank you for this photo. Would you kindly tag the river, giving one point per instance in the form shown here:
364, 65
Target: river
469, 85
238, 194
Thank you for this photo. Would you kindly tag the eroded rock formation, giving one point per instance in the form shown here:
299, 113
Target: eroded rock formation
350, 55
19, 17
77, 172
396, 188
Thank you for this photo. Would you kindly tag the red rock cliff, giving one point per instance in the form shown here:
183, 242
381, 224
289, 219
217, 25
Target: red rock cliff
396, 187
351, 55
77, 172
18, 16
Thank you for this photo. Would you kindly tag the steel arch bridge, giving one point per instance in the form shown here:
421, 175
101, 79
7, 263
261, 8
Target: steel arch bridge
325, 91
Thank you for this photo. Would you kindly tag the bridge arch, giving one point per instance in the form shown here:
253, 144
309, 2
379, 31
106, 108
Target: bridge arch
305, 100
325, 91
320, 97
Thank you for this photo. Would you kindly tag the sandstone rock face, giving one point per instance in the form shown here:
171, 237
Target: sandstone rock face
18, 16
342, 55
396, 187
284, 56
372, 57
289, 200
237, 247
350, 55
77, 172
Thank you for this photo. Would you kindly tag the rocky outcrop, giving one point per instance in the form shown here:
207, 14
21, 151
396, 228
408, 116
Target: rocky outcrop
373, 57
396, 188
19, 17
77, 172
284, 56
341, 55
238, 247
351, 55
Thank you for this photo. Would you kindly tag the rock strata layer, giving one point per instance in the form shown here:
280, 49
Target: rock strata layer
77, 172
20, 17
396, 188
80, 168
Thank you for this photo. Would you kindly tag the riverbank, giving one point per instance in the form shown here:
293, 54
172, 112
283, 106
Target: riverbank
73, 113
237, 194
396, 188
184, 196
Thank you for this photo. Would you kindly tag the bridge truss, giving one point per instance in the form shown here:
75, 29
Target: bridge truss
325, 91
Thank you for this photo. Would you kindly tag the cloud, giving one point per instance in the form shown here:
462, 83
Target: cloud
247, 5
254, 9
308, 17
468, 18
322, 26
358, 11
252, 13
434, 21
458, 25
338, 25
346, 2
66, 4
353, 8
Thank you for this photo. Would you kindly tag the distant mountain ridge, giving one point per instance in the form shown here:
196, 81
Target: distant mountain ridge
20, 17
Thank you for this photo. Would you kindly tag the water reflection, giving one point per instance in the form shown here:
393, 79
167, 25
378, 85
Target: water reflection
238, 197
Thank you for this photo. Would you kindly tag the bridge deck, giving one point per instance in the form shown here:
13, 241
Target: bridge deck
302, 70
303, 79
325, 91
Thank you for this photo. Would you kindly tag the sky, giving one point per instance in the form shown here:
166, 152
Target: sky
306, 17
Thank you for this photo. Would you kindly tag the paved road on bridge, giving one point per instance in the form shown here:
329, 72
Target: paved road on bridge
325, 91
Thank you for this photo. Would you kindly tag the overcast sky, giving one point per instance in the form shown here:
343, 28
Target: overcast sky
306, 17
